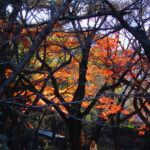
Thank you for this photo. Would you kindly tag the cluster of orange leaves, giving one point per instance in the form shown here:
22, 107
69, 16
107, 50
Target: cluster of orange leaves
107, 104
142, 129
113, 61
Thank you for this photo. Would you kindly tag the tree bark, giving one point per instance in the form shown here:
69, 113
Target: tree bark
116, 134
147, 140
75, 128
116, 138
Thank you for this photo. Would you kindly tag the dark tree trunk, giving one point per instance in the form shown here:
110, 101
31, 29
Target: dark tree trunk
116, 134
75, 128
147, 140
116, 138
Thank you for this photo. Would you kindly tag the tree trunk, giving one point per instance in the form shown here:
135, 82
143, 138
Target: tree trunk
75, 128
147, 140
116, 134
116, 138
